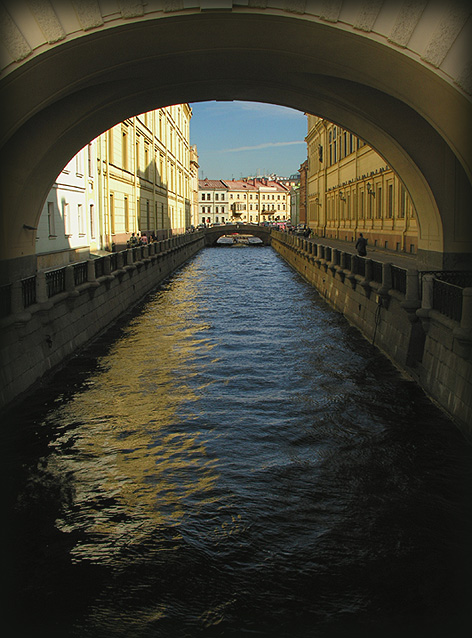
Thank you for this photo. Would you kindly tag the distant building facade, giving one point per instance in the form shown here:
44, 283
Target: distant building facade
194, 166
250, 200
133, 178
213, 202
352, 190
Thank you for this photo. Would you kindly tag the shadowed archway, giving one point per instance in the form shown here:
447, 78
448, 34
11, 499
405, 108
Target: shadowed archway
62, 95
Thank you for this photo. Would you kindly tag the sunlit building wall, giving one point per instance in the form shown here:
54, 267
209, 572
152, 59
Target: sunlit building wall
213, 202
250, 200
352, 190
194, 193
69, 226
144, 173
133, 178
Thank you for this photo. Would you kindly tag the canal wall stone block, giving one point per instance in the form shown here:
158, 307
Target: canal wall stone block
430, 348
38, 340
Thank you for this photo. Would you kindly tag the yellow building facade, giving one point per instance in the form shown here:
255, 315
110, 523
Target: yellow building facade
352, 190
135, 178
250, 200
144, 177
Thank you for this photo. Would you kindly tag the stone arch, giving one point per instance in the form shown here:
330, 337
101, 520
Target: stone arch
71, 87
214, 233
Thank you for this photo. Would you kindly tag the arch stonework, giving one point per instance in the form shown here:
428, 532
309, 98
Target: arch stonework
215, 232
395, 74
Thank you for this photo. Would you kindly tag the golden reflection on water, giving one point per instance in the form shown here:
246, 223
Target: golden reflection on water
132, 464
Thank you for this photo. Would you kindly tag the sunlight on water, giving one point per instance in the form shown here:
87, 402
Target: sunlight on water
236, 460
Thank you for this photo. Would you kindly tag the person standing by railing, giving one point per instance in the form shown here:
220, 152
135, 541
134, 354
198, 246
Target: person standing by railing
361, 246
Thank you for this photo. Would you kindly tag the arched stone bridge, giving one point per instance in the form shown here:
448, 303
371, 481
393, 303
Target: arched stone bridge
213, 233
397, 74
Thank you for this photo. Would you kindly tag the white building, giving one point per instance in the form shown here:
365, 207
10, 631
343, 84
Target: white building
214, 205
69, 225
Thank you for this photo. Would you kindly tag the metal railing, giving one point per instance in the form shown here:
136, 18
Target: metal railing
113, 262
99, 267
80, 273
358, 265
447, 299
28, 291
377, 271
399, 279
447, 285
55, 281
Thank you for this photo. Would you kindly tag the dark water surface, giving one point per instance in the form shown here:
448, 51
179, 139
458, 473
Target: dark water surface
234, 460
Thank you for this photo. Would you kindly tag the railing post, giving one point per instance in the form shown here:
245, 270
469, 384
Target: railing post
106, 265
41, 287
91, 270
427, 296
412, 287
426, 301
386, 278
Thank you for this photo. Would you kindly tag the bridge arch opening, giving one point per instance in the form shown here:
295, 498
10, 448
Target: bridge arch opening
62, 97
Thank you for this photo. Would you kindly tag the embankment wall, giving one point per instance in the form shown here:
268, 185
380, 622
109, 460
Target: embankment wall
41, 336
389, 306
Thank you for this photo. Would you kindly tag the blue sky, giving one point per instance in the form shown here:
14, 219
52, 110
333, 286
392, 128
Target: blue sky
238, 139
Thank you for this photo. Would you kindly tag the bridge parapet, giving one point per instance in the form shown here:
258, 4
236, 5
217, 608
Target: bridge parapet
213, 233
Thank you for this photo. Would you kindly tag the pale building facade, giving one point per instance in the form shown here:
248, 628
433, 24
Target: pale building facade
133, 178
251, 200
213, 206
194, 166
69, 226
352, 190
144, 171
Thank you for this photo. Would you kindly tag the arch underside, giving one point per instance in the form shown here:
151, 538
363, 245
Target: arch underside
213, 234
65, 97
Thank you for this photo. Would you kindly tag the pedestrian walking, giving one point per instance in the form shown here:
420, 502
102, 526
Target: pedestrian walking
361, 245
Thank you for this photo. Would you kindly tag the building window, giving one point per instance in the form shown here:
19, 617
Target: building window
216, 196
402, 208
80, 219
112, 214
390, 201
66, 218
126, 204
78, 164
378, 196
92, 221
146, 161
124, 149
110, 146
51, 220
89, 160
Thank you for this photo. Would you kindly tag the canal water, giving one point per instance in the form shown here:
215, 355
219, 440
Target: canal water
233, 459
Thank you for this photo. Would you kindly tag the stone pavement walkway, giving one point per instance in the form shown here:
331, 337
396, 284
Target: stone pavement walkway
402, 260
